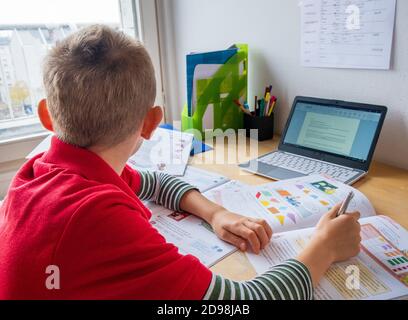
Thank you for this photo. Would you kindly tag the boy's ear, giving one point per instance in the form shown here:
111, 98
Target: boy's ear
152, 120
44, 115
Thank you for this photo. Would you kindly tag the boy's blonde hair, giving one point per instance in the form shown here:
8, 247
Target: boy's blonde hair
99, 84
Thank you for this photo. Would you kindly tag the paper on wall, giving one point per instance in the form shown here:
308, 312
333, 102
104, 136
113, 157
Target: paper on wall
344, 34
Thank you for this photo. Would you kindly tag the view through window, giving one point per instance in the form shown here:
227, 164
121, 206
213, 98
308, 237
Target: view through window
28, 29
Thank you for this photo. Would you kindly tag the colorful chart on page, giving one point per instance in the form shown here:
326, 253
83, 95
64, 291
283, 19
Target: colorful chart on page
381, 250
325, 194
325, 186
328, 195
301, 200
283, 207
304, 201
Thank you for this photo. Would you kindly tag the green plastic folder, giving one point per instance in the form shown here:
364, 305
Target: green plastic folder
228, 83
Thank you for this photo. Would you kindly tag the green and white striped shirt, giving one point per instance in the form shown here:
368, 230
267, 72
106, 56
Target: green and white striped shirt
290, 280
163, 189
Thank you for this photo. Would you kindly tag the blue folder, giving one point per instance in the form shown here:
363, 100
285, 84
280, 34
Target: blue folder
195, 59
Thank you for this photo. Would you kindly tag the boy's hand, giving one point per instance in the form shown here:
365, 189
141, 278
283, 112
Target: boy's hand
335, 239
241, 231
340, 235
233, 228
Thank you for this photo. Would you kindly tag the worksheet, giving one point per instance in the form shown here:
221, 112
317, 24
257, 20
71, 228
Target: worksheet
167, 151
190, 234
347, 34
202, 179
380, 271
233, 196
291, 204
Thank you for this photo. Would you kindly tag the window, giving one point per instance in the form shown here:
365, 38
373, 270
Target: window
28, 29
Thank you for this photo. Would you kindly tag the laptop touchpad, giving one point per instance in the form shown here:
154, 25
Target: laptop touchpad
282, 174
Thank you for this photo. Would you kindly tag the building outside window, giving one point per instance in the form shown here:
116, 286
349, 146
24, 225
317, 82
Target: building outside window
28, 29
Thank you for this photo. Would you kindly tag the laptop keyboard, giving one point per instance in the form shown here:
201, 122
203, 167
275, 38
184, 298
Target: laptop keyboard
307, 166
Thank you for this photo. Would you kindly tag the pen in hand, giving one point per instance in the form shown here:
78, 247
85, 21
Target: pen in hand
345, 204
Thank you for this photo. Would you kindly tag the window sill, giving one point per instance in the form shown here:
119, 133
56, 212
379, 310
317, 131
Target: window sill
30, 137
18, 148
12, 156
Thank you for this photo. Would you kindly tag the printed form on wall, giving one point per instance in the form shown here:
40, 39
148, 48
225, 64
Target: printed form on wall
347, 34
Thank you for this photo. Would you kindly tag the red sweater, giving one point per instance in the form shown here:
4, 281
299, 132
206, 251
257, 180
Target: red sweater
68, 208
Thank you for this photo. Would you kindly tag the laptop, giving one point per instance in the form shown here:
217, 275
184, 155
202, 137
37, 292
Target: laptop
331, 137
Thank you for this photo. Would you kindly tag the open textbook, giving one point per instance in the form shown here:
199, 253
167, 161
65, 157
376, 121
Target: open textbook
285, 205
293, 208
167, 151
379, 272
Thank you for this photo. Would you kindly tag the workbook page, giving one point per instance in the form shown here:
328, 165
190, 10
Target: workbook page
380, 271
191, 235
290, 204
203, 180
167, 151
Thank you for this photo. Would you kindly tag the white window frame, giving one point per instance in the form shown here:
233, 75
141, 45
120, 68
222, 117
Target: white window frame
146, 29
149, 33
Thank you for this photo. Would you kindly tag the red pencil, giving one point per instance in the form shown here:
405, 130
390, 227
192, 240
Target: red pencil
273, 99
237, 103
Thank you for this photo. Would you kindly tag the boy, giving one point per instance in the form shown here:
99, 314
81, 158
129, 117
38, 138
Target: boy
75, 213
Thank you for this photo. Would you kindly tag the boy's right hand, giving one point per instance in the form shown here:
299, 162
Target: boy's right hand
335, 239
339, 235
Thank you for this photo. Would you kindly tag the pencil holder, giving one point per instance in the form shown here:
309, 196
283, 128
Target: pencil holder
264, 125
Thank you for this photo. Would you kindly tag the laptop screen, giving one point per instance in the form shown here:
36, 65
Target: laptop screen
336, 130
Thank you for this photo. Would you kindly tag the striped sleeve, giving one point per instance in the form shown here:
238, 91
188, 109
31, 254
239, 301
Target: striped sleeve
290, 280
163, 189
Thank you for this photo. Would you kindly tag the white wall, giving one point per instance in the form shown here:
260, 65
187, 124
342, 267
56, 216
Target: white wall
272, 29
